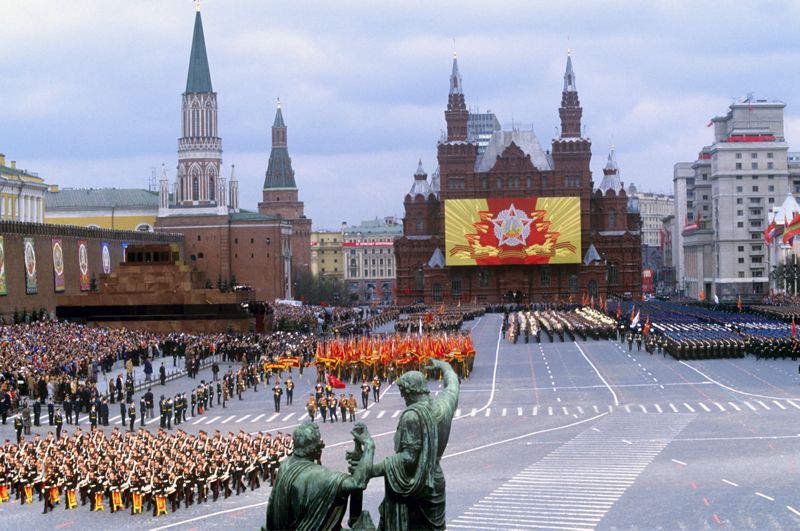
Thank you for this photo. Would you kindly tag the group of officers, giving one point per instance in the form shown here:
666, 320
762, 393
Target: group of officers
138, 471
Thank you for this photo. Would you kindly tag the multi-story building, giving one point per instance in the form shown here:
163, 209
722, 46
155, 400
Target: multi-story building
221, 240
370, 264
327, 254
103, 208
497, 210
480, 128
653, 208
725, 197
668, 279
21, 193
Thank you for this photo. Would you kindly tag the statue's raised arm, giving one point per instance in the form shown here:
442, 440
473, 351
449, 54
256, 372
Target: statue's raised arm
413, 477
309, 496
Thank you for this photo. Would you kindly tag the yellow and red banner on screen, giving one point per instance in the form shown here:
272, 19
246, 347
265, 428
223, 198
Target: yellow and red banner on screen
519, 230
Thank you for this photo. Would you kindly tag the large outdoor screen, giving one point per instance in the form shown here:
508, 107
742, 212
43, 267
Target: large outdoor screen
519, 230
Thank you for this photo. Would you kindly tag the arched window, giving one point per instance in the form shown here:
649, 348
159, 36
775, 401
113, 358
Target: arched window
612, 219
195, 188
419, 279
212, 194
144, 227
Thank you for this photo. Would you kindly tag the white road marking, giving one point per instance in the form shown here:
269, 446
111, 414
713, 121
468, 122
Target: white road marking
762, 404
731, 388
616, 400
658, 408
381, 413
258, 417
679, 462
778, 404
303, 416
227, 419
504, 412
112, 419
705, 407
488, 412
596, 409
287, 417
535, 410
721, 408
565, 410
795, 511
690, 408
519, 412
199, 420
580, 410
396, 413
644, 409
770, 498
273, 417
748, 404
627, 408
365, 414
212, 420
458, 413
550, 411
731, 483
734, 406
242, 419
626, 441
793, 404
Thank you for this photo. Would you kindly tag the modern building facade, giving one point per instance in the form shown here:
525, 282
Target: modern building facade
226, 243
725, 197
369, 254
653, 208
515, 167
21, 193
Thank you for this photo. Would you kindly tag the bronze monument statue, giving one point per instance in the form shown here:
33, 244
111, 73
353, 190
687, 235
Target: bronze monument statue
415, 486
309, 496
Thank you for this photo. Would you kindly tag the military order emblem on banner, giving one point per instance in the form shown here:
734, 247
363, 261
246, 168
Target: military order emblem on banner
3, 286
58, 265
521, 230
31, 285
83, 265
106, 255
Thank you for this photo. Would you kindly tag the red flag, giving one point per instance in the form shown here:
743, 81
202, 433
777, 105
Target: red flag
794, 328
428, 317
379, 291
646, 329
701, 296
619, 310
739, 304
335, 382
633, 312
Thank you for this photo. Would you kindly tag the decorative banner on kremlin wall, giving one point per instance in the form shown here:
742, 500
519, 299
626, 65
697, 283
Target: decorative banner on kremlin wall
31, 284
58, 265
106, 257
3, 286
83, 264
519, 230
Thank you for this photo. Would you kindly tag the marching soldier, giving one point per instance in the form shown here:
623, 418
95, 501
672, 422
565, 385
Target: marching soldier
276, 395
332, 403
142, 410
311, 407
289, 390
322, 406
364, 394
343, 407
131, 415
376, 389
93, 417
351, 407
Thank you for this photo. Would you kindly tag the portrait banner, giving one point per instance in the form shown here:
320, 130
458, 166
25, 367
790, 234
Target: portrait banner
31, 284
3, 285
58, 265
124, 249
106, 257
83, 264
519, 230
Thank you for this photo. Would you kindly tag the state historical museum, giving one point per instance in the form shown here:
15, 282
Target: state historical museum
511, 222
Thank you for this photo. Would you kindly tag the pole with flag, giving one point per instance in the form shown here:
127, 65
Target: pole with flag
739, 303
619, 309
635, 320
646, 329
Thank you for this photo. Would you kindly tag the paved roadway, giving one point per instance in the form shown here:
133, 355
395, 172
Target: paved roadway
574, 435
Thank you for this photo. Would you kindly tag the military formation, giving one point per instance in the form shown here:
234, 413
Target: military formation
562, 325
139, 471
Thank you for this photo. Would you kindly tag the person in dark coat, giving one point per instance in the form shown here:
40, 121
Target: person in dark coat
51, 410
37, 412
162, 374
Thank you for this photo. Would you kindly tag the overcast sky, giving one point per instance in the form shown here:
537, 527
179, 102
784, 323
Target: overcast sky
90, 90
